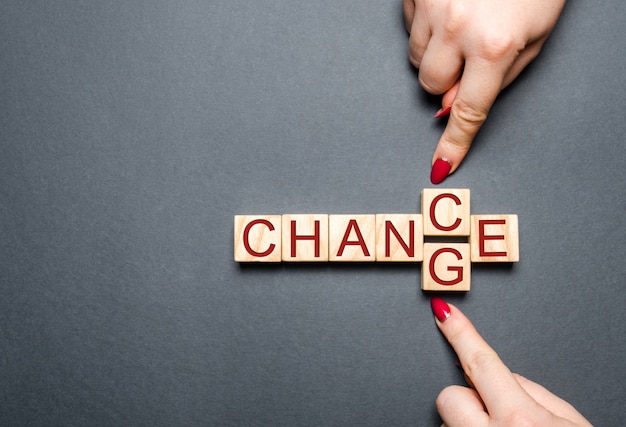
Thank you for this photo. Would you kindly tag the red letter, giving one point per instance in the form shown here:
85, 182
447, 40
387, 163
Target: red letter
246, 243
410, 250
459, 270
315, 237
433, 218
482, 237
359, 242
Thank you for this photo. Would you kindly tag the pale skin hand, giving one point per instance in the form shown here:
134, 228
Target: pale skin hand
469, 51
498, 397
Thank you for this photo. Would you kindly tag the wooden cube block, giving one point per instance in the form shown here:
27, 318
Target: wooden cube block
446, 267
494, 238
305, 237
258, 238
352, 237
446, 212
399, 237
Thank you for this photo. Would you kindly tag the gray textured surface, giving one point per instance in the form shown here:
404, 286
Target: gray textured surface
132, 132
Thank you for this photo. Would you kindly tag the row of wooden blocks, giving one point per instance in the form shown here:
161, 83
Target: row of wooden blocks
387, 238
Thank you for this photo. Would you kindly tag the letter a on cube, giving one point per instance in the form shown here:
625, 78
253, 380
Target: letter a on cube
352, 238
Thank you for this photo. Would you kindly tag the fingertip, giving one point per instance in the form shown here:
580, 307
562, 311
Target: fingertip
440, 308
443, 112
447, 158
440, 171
450, 319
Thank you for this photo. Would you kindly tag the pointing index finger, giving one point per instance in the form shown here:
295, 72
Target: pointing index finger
478, 88
494, 382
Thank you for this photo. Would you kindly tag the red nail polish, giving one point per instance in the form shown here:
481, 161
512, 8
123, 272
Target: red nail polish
439, 172
443, 112
440, 308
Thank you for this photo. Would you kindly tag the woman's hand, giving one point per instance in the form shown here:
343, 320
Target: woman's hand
497, 397
469, 51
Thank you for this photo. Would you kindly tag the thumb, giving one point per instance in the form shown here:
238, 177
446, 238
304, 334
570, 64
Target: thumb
551, 402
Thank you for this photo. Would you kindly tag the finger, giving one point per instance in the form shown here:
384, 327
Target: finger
479, 86
461, 406
408, 9
441, 66
419, 38
496, 385
551, 402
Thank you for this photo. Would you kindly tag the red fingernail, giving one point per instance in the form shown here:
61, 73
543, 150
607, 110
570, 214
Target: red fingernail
439, 172
440, 308
442, 112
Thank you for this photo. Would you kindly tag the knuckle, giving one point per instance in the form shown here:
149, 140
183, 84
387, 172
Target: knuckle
480, 361
468, 115
498, 45
492, 43
519, 419
457, 19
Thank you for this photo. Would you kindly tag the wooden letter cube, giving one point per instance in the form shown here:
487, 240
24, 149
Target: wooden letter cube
446, 212
305, 238
494, 238
446, 267
257, 238
352, 237
399, 237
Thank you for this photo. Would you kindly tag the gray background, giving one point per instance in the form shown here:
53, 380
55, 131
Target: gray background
132, 132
